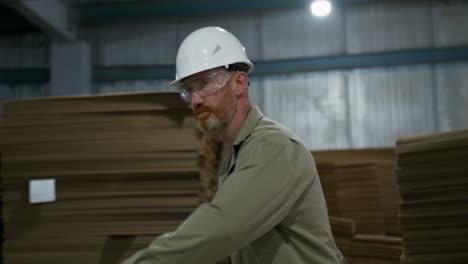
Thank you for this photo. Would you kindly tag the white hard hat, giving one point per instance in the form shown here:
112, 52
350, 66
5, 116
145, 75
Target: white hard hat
208, 48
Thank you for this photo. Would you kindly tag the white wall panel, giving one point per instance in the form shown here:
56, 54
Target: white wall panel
388, 26
450, 23
256, 92
311, 105
388, 103
296, 33
136, 43
452, 96
155, 42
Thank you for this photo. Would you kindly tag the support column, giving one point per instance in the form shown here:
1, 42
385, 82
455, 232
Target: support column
70, 68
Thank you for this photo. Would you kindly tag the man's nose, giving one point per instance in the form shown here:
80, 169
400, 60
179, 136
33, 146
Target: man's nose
196, 99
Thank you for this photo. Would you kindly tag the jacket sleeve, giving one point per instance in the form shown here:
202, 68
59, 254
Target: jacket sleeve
256, 197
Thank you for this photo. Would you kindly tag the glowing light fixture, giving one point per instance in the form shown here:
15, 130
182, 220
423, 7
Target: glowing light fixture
320, 8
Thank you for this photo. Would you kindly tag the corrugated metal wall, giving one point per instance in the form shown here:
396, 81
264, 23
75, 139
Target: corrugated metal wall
29, 50
334, 109
389, 103
135, 43
313, 105
452, 96
388, 26
449, 24
296, 33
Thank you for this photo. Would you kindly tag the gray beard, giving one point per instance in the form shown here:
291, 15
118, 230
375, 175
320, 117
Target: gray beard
216, 125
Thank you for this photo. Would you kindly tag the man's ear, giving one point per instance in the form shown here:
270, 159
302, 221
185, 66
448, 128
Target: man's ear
241, 83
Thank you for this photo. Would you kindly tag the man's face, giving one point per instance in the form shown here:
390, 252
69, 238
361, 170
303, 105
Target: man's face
213, 102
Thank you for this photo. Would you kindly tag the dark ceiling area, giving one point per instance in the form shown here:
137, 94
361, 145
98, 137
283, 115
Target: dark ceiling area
13, 23
103, 11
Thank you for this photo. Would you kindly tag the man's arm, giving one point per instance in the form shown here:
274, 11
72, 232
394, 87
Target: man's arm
257, 196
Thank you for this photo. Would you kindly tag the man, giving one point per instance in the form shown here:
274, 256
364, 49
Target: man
269, 207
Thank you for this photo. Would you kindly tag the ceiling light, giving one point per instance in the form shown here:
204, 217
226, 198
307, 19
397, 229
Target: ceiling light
320, 8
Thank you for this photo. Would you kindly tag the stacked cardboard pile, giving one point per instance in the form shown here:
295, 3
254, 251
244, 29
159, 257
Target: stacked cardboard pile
326, 172
390, 196
372, 249
432, 173
359, 196
360, 187
328, 181
123, 165
343, 232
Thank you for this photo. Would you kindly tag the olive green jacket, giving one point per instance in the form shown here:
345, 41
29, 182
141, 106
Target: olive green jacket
269, 208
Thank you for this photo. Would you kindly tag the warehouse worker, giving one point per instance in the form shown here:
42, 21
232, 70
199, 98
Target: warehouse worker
269, 208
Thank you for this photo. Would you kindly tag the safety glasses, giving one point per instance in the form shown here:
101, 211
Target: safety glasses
204, 86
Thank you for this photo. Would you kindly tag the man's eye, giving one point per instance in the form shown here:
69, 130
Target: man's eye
202, 83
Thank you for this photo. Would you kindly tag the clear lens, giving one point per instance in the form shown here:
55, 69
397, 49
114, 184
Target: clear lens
184, 94
204, 86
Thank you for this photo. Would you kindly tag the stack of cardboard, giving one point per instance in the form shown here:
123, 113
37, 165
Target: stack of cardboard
123, 165
390, 196
343, 232
359, 196
373, 249
360, 187
328, 181
432, 173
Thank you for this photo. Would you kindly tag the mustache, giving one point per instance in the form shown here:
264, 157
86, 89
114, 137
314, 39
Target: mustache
201, 109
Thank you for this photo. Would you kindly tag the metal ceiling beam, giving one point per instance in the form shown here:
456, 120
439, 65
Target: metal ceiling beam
381, 59
262, 68
285, 66
49, 15
113, 73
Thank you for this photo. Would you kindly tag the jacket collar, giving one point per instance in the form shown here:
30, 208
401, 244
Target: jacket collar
248, 126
